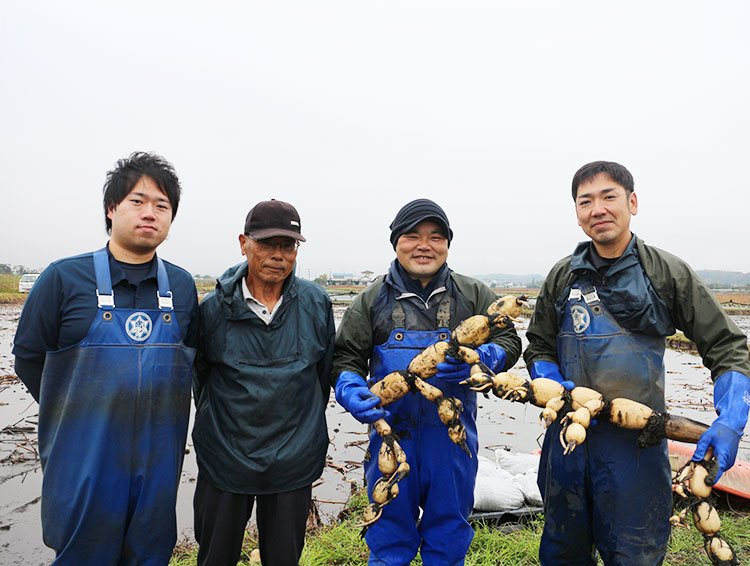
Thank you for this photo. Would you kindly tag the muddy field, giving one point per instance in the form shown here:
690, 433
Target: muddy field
501, 425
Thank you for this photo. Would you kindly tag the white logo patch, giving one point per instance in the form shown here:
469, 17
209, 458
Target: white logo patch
138, 326
746, 398
580, 317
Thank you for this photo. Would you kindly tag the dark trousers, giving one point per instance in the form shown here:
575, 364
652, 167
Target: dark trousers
221, 517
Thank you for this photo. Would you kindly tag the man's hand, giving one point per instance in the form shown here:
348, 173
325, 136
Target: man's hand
732, 403
352, 394
550, 370
454, 371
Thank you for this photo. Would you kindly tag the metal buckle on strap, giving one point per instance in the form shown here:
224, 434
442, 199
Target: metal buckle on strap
575, 295
105, 301
165, 302
591, 297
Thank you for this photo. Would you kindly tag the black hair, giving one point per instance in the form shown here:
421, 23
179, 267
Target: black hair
121, 180
618, 173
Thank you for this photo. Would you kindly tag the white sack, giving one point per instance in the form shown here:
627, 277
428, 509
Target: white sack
495, 489
527, 484
517, 462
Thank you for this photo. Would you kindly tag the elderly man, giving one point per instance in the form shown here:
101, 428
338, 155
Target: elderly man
106, 345
418, 302
600, 321
266, 346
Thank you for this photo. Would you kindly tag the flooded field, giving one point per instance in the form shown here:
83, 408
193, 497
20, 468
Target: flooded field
501, 425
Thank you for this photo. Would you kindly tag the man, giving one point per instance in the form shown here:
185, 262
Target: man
105, 345
600, 321
263, 381
418, 302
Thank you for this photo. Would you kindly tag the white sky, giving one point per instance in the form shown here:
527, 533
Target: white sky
349, 109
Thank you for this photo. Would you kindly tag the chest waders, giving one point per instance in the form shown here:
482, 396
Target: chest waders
113, 416
441, 479
607, 493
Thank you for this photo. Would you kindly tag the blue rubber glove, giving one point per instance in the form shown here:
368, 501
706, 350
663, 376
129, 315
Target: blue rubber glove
352, 394
454, 371
550, 370
732, 403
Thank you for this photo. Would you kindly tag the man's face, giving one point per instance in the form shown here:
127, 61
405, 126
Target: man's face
271, 260
604, 208
423, 251
141, 221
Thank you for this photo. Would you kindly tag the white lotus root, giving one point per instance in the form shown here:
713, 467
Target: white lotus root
470, 334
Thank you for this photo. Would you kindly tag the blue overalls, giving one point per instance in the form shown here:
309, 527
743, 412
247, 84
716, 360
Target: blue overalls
607, 493
113, 416
441, 478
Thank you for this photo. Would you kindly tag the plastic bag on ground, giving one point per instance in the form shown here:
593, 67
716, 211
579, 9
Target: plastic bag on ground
517, 462
495, 488
528, 486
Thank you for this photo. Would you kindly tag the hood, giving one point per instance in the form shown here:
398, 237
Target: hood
580, 261
229, 291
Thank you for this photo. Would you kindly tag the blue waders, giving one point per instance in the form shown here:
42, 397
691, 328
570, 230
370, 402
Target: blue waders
441, 480
607, 493
113, 417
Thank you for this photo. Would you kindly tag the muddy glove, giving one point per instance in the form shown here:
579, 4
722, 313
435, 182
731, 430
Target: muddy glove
732, 402
453, 370
550, 370
352, 394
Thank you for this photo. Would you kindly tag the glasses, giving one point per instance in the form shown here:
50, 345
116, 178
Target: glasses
268, 245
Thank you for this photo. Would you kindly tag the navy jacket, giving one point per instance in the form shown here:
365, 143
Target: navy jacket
62, 304
261, 390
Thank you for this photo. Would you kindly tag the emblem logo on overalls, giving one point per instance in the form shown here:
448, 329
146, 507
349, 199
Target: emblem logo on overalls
580, 318
138, 326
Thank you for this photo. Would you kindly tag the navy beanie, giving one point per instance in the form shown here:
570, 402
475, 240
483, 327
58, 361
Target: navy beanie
418, 211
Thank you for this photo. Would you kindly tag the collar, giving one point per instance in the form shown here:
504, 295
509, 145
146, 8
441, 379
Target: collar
229, 289
118, 275
582, 261
403, 284
248, 296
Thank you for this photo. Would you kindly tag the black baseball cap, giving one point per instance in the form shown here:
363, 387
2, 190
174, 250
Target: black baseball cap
273, 218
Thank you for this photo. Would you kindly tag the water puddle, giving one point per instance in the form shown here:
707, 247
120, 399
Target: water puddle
501, 424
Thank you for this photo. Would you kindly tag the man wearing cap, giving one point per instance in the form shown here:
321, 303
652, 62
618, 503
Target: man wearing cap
417, 303
261, 388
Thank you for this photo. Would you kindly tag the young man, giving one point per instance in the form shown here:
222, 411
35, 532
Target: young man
263, 382
105, 345
418, 302
600, 321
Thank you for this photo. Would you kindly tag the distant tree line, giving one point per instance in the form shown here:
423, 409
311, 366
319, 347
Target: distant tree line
8, 269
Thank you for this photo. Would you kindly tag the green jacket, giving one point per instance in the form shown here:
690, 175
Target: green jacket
355, 335
261, 390
692, 307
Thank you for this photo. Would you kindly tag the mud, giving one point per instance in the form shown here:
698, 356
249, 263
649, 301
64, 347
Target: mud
501, 424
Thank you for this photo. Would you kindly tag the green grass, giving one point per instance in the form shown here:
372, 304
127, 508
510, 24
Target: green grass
9, 289
341, 545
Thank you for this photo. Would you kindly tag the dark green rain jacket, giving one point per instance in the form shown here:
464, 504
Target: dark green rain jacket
692, 308
261, 390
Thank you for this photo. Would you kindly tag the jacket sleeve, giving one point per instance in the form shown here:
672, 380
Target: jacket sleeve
38, 329
353, 345
695, 311
543, 328
326, 362
207, 322
481, 296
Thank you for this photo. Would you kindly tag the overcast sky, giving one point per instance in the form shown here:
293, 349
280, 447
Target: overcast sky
350, 109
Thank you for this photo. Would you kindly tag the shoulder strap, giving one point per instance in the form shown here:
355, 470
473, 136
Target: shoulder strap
163, 294
105, 296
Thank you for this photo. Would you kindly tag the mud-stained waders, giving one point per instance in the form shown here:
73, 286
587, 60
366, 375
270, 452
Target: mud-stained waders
607, 493
441, 479
113, 416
